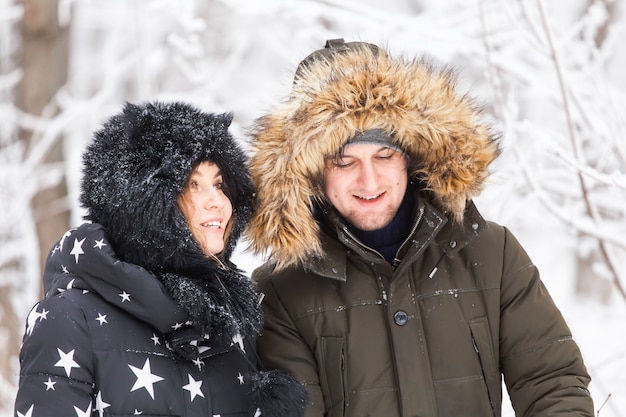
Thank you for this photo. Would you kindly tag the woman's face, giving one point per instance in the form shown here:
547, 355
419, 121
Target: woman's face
206, 208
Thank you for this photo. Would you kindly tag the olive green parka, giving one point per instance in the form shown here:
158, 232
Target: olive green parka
465, 307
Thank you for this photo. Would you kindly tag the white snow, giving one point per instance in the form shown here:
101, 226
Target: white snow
559, 101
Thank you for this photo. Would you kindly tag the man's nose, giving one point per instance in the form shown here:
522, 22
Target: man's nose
368, 176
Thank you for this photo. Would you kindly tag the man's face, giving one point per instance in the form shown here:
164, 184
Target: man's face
366, 184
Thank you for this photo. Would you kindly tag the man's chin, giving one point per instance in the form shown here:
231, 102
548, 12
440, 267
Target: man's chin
369, 223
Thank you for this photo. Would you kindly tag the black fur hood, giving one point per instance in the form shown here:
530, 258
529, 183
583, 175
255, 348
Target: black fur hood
137, 166
134, 171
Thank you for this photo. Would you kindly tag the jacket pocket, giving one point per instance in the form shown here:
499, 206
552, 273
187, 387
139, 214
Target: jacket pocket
332, 377
481, 339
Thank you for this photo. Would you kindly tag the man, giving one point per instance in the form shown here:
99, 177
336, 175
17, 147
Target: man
386, 292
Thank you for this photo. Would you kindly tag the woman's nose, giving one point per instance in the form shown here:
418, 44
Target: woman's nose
212, 199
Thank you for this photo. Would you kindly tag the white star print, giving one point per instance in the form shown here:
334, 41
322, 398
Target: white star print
257, 413
100, 404
77, 250
239, 340
99, 244
50, 384
240, 378
67, 361
32, 319
155, 339
64, 269
198, 363
81, 413
29, 413
177, 326
193, 387
137, 412
125, 296
145, 378
70, 284
55, 250
102, 319
67, 234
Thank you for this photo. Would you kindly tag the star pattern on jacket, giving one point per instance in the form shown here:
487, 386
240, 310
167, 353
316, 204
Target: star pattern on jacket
33, 317
49, 384
99, 244
124, 296
102, 319
101, 405
193, 387
29, 413
77, 250
146, 367
239, 341
66, 361
83, 413
145, 378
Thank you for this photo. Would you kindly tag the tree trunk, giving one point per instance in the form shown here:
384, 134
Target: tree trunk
44, 63
43, 60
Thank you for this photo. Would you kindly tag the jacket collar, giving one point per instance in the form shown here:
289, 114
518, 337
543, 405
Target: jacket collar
430, 225
219, 302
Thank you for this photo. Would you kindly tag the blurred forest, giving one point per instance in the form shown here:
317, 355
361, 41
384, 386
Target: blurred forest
549, 73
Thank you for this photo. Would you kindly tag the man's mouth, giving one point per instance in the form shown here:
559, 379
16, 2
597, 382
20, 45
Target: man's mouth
369, 197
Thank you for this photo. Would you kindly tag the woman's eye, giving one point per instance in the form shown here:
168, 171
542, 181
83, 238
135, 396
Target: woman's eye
193, 185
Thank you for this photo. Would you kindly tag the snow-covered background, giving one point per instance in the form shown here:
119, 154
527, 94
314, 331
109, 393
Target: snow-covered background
550, 73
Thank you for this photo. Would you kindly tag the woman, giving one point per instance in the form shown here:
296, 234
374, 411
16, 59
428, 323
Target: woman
144, 312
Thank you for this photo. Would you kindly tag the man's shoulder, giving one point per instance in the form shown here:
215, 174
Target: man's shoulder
288, 279
269, 272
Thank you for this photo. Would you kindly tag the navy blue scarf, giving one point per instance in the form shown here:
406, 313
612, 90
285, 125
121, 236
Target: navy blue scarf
387, 240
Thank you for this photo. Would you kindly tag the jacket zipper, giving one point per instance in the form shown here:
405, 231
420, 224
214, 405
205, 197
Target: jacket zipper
482, 370
396, 260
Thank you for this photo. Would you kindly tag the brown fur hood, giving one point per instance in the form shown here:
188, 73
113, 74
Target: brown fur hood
330, 102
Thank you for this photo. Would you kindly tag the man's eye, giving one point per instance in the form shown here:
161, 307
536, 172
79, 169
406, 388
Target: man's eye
389, 154
341, 163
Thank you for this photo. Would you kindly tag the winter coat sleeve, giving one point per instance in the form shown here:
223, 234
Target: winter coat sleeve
542, 365
55, 362
282, 347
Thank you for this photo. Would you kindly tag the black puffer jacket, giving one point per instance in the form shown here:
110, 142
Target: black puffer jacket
135, 319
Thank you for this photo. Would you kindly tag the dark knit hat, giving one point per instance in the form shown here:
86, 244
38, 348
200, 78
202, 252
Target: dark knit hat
136, 168
374, 137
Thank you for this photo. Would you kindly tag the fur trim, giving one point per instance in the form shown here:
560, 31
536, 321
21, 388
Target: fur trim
134, 171
278, 394
332, 101
221, 306
137, 166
